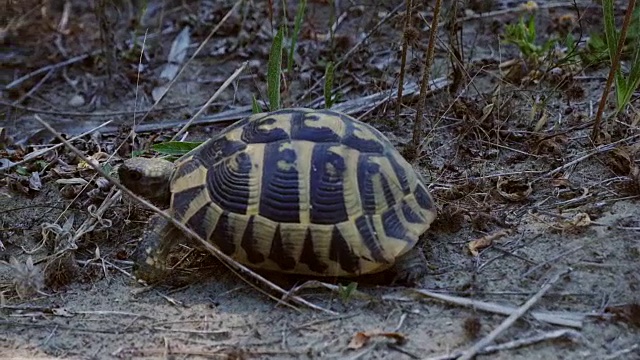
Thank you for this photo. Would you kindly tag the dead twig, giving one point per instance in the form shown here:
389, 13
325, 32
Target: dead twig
426, 70
598, 150
350, 107
233, 265
36, 87
48, 68
508, 322
552, 260
518, 343
619, 353
88, 114
573, 320
516, 9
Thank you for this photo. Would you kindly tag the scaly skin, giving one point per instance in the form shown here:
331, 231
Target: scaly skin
150, 257
148, 178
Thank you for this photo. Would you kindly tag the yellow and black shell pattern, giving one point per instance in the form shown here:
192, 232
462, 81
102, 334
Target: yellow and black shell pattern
303, 191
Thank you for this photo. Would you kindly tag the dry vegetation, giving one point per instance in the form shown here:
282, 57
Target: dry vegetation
533, 164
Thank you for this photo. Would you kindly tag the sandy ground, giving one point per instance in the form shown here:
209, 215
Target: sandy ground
581, 222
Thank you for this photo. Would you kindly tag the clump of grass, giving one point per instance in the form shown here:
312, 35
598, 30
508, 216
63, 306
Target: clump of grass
625, 85
523, 35
27, 278
597, 49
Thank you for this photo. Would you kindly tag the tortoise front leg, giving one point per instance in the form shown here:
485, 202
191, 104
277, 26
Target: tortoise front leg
150, 257
411, 267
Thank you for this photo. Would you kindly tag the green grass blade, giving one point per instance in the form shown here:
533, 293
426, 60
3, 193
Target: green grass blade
629, 84
175, 147
610, 32
611, 36
296, 33
274, 68
328, 85
255, 107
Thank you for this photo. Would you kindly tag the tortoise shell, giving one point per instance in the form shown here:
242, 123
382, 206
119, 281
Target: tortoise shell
303, 191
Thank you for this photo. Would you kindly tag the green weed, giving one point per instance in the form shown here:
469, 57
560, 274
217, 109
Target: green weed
328, 85
523, 35
625, 85
255, 106
274, 70
597, 49
345, 293
175, 148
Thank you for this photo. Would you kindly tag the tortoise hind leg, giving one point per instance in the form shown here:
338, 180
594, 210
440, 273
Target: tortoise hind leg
411, 267
149, 262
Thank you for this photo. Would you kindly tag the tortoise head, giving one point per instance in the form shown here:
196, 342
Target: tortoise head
149, 178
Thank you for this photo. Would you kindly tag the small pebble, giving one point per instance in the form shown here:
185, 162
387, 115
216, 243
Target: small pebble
76, 101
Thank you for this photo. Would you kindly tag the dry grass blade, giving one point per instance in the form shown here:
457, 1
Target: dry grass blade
226, 260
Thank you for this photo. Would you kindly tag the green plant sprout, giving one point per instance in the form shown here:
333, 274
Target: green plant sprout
625, 85
328, 85
274, 70
523, 35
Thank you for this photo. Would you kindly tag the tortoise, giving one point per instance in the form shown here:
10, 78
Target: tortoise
297, 191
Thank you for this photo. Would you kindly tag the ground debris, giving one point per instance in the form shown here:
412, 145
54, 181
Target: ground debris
360, 339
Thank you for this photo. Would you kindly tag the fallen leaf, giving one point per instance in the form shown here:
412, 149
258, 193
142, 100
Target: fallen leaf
485, 241
34, 181
622, 160
158, 92
554, 145
177, 54
514, 190
628, 313
560, 182
5, 163
579, 220
361, 339
358, 340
